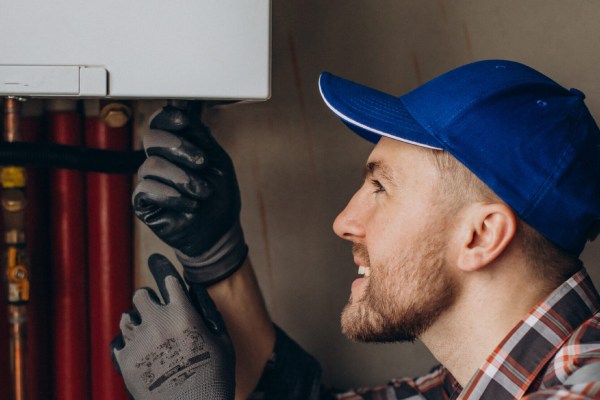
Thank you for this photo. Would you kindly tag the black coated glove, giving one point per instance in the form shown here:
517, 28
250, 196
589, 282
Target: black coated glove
189, 196
176, 350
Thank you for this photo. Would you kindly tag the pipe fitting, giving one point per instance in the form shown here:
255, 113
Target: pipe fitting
115, 115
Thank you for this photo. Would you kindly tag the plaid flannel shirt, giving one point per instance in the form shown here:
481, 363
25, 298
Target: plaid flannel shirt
534, 361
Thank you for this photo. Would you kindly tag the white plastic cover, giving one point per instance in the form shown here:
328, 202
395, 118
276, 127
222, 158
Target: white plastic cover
209, 49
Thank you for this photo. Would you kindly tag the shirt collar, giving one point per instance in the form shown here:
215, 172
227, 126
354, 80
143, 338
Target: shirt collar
523, 354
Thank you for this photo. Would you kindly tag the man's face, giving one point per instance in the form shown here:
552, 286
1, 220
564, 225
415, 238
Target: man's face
398, 227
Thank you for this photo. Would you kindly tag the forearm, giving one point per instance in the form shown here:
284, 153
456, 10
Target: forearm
188, 195
242, 306
291, 373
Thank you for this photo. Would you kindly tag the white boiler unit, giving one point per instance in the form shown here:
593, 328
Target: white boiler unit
135, 49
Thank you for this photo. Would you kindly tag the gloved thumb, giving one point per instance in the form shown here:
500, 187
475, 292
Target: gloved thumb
185, 121
161, 267
171, 119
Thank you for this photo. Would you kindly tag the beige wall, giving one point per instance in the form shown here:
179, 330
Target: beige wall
298, 165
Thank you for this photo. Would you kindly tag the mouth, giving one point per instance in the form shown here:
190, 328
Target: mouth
364, 271
360, 284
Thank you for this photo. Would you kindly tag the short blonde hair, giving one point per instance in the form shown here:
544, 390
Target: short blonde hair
461, 186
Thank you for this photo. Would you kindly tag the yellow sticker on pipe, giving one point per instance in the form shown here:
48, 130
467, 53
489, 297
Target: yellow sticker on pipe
13, 177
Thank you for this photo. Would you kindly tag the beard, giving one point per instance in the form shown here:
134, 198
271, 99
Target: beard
404, 296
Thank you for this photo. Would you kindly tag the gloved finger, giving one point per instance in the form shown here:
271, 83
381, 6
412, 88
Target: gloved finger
201, 136
187, 123
170, 119
146, 302
134, 316
164, 171
116, 345
174, 148
114, 356
114, 350
161, 268
151, 198
206, 307
178, 294
127, 328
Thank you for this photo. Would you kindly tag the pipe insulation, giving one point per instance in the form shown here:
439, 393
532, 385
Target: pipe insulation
109, 256
38, 379
70, 320
59, 155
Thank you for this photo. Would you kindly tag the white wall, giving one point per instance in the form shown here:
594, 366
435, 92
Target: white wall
298, 165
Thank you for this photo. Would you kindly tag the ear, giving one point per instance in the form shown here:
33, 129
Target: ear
485, 232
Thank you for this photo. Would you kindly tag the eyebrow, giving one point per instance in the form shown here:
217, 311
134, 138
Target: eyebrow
384, 171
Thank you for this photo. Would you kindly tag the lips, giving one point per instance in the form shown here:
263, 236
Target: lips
363, 270
361, 259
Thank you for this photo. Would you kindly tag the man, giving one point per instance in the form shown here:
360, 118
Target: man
479, 196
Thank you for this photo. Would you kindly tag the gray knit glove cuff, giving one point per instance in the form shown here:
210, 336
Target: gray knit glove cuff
217, 263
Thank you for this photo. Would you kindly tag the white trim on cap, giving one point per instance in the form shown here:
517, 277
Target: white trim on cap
368, 128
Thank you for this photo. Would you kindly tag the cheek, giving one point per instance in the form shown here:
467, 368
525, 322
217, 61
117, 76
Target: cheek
386, 290
401, 222
387, 233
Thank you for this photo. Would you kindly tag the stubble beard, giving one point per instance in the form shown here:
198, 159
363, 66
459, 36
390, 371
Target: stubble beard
405, 295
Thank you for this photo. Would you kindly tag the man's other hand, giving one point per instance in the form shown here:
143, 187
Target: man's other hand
175, 349
187, 193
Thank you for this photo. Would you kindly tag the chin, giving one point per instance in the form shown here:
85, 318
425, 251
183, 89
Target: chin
366, 326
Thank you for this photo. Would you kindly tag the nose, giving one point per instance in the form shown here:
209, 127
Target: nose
348, 224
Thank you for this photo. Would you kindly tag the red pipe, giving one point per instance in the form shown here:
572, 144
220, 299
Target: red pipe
71, 361
38, 379
110, 257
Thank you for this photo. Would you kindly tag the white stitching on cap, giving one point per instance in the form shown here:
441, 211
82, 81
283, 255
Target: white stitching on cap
353, 122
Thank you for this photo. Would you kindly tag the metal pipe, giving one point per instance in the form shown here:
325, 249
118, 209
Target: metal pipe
12, 180
17, 317
12, 108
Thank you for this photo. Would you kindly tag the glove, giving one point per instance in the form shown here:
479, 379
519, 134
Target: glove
170, 351
188, 195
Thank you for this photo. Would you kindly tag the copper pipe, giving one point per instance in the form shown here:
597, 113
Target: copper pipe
12, 108
13, 203
17, 315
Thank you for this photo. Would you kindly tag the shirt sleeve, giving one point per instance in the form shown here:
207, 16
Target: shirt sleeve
293, 374
581, 391
438, 384
290, 374
583, 379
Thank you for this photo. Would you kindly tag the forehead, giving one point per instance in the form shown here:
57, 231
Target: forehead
403, 160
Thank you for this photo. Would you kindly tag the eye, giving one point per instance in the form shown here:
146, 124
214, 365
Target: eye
377, 185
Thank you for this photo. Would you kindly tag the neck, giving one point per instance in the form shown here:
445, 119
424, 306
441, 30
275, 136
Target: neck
490, 303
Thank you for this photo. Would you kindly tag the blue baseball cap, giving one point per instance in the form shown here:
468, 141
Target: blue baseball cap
533, 142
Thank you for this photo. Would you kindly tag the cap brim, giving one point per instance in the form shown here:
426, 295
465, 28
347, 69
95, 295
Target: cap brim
372, 113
